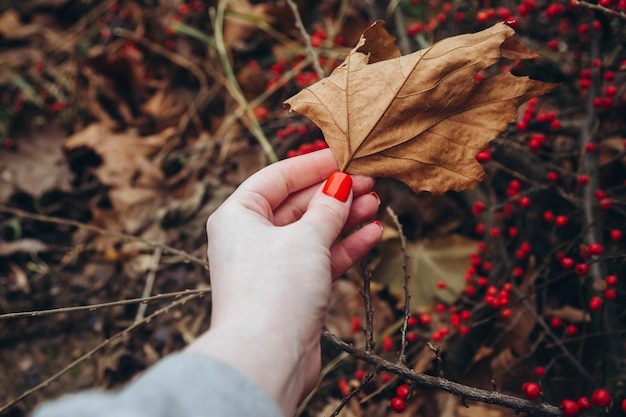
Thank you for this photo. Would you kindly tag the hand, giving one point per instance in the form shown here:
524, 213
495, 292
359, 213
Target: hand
273, 254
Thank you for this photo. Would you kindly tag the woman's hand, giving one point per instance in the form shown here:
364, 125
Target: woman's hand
273, 254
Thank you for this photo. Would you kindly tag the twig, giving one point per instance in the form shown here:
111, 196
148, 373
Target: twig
94, 307
403, 40
551, 335
345, 400
91, 352
369, 310
122, 236
307, 39
147, 289
599, 8
428, 381
407, 277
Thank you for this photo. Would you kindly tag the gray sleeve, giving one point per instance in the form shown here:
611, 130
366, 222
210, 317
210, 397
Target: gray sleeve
181, 385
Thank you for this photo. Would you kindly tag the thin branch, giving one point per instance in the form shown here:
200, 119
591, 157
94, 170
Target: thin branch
369, 310
407, 277
91, 352
122, 236
345, 400
94, 307
307, 39
428, 381
147, 289
599, 8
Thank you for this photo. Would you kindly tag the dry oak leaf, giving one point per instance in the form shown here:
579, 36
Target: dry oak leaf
420, 118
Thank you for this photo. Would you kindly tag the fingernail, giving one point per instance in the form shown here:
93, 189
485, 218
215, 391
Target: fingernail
379, 224
373, 194
338, 185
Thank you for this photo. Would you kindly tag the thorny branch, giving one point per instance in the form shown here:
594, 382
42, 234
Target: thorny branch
427, 381
369, 310
407, 277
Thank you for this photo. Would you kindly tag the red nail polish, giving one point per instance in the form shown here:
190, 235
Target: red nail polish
373, 194
338, 185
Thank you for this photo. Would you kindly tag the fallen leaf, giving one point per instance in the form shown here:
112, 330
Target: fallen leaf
420, 118
38, 165
431, 260
135, 181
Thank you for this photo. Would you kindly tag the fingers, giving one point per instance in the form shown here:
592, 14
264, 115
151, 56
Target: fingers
328, 209
277, 181
346, 253
363, 208
296, 204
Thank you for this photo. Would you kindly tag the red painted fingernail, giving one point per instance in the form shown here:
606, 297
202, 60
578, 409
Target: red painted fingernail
373, 194
338, 185
379, 224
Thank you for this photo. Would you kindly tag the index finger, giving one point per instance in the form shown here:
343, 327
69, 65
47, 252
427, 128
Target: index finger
277, 181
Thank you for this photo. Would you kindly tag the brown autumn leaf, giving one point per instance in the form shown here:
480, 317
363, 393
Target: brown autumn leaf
420, 118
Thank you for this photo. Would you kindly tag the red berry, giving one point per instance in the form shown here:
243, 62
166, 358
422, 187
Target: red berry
359, 374
464, 330
601, 398
605, 204
548, 216
583, 179
540, 371
552, 176
569, 408
571, 330
595, 303
584, 403
470, 291
412, 321
595, 249
582, 269
387, 343
590, 147
567, 263
610, 90
403, 390
611, 280
524, 201
478, 207
385, 377
506, 313
425, 319
398, 404
610, 294
483, 156
624, 401
609, 75
531, 390
411, 337
441, 285
513, 231
616, 235
556, 322
561, 220
356, 324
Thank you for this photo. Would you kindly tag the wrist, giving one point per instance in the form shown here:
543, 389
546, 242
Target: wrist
280, 366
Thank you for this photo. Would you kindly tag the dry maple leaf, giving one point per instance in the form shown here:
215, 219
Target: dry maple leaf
420, 118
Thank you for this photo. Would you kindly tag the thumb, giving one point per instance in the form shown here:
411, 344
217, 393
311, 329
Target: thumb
328, 209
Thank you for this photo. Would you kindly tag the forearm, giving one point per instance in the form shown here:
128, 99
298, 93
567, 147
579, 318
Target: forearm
184, 384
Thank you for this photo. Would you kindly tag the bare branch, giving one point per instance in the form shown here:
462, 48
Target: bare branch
407, 277
369, 310
428, 381
599, 8
94, 307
